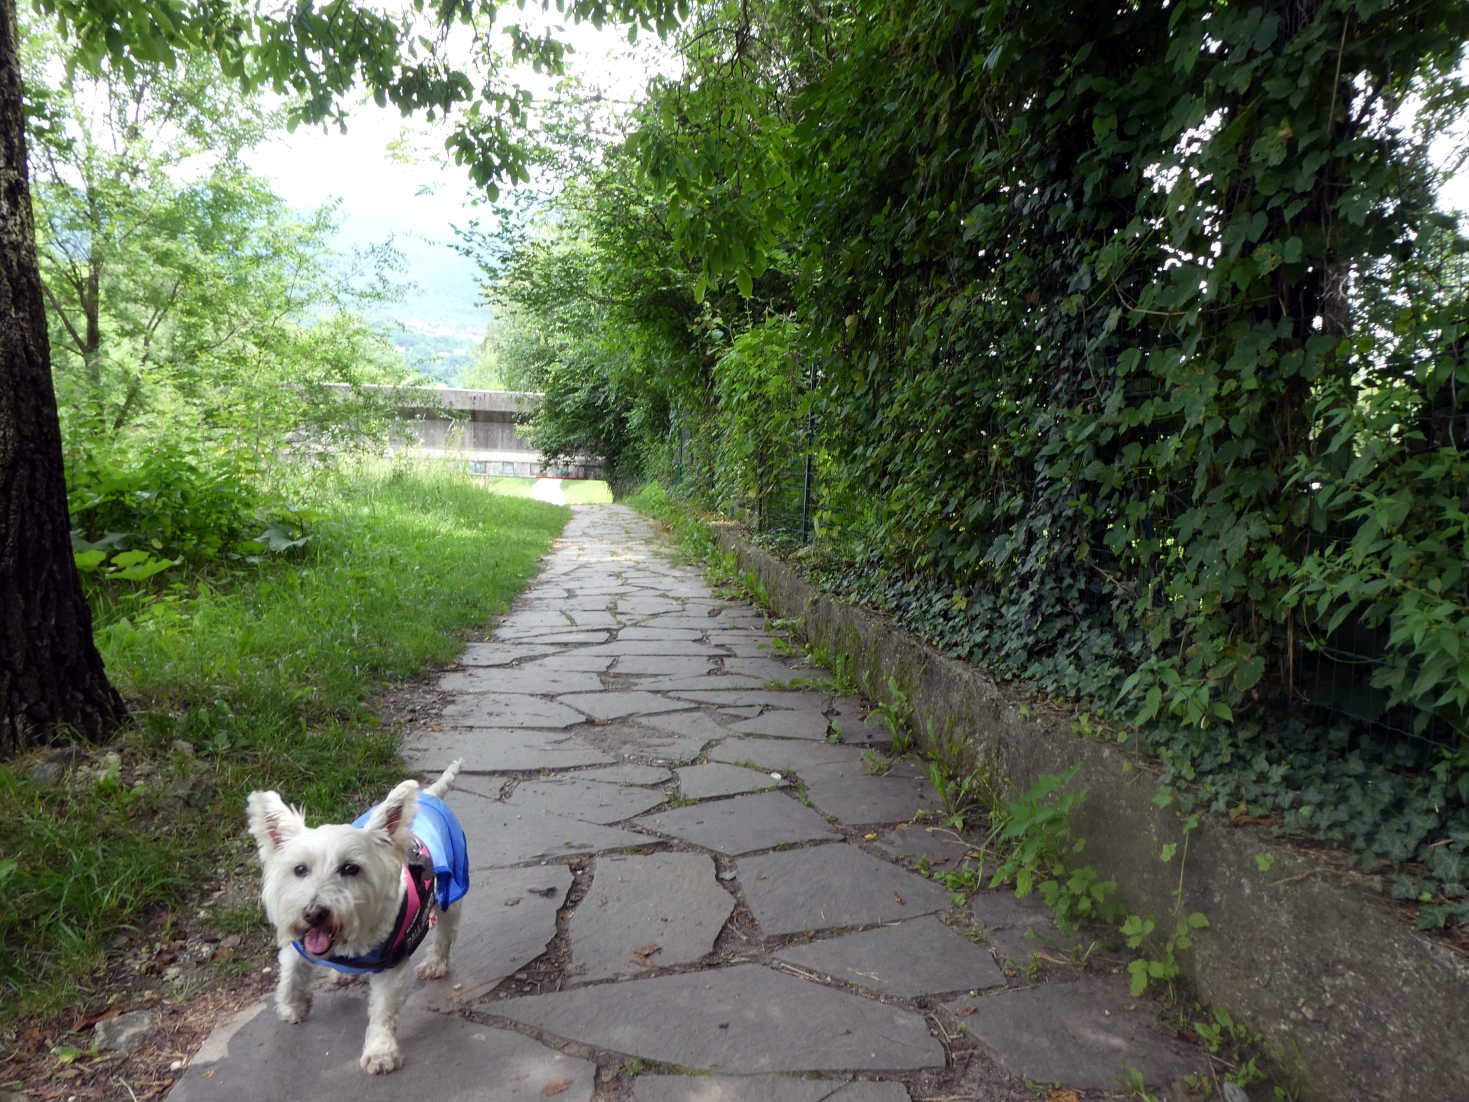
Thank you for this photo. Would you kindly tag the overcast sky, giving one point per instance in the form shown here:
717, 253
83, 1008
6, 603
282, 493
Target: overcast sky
417, 202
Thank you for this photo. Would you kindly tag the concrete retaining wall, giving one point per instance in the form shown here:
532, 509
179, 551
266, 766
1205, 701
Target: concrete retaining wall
1356, 1003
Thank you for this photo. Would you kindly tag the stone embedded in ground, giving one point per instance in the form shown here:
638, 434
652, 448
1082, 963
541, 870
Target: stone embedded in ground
710, 681
661, 665
742, 1020
919, 957
783, 723
738, 698
570, 637
942, 847
125, 1032
676, 737
761, 1088
670, 645
573, 659
661, 635
498, 750
620, 704
637, 607
1083, 1035
857, 730
594, 619
256, 1056
693, 722
1016, 929
532, 623
627, 773
501, 835
518, 679
505, 922
781, 755
515, 710
500, 654
823, 887
849, 792
742, 824
769, 669
700, 782
582, 799
647, 911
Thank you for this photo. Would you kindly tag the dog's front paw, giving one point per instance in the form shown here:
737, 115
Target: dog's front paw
381, 1060
432, 969
292, 1010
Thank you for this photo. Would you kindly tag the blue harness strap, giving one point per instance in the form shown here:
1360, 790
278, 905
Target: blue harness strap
438, 866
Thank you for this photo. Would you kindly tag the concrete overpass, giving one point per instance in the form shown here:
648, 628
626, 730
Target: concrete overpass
481, 427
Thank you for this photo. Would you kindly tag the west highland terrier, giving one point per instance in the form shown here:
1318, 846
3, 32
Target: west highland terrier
361, 898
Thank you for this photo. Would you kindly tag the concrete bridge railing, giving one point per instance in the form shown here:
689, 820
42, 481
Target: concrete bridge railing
481, 427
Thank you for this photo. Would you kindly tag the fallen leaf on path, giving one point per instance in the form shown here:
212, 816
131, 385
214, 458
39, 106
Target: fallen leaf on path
555, 1086
644, 954
964, 1012
1063, 1096
898, 899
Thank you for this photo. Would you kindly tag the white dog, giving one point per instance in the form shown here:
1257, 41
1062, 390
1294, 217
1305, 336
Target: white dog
360, 899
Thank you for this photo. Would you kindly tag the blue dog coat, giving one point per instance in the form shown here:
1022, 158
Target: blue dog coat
438, 865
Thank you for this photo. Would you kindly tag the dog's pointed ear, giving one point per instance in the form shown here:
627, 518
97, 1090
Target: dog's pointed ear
394, 816
272, 823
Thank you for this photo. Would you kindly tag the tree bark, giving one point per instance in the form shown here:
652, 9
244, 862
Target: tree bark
52, 683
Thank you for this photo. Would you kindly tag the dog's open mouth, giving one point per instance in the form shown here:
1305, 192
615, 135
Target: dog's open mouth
318, 941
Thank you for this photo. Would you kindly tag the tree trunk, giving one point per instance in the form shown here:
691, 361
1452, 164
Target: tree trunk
51, 679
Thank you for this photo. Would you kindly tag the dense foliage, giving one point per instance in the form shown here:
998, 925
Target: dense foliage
1133, 342
193, 316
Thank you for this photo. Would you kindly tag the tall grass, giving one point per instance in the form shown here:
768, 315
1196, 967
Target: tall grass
262, 677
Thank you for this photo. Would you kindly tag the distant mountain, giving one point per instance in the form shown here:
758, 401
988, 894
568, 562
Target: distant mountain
439, 322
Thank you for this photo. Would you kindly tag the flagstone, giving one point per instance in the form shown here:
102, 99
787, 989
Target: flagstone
621, 703
257, 1056
627, 773
909, 959
498, 750
700, 782
647, 911
515, 710
519, 679
735, 1020
786, 724
1083, 1035
505, 922
847, 791
584, 799
502, 834
832, 886
664, 665
742, 824
762, 1088
784, 755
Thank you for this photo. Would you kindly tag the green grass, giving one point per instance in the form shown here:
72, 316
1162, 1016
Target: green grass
267, 675
576, 491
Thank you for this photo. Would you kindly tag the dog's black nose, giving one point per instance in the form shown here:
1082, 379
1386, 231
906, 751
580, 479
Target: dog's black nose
316, 915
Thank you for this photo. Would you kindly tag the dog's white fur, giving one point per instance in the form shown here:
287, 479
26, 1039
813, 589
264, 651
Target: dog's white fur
345, 883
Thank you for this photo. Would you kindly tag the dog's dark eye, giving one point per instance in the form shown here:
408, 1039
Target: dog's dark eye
301, 870
349, 869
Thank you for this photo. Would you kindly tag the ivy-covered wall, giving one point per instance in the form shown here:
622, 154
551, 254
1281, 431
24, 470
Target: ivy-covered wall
1127, 344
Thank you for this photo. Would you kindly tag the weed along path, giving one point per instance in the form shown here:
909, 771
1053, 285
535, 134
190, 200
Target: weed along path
695, 876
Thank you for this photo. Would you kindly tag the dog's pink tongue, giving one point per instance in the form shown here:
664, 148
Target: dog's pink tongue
317, 941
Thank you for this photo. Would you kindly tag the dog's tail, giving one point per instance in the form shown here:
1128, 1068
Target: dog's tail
446, 779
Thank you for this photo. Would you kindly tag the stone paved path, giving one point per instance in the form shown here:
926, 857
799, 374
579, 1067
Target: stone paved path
690, 881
